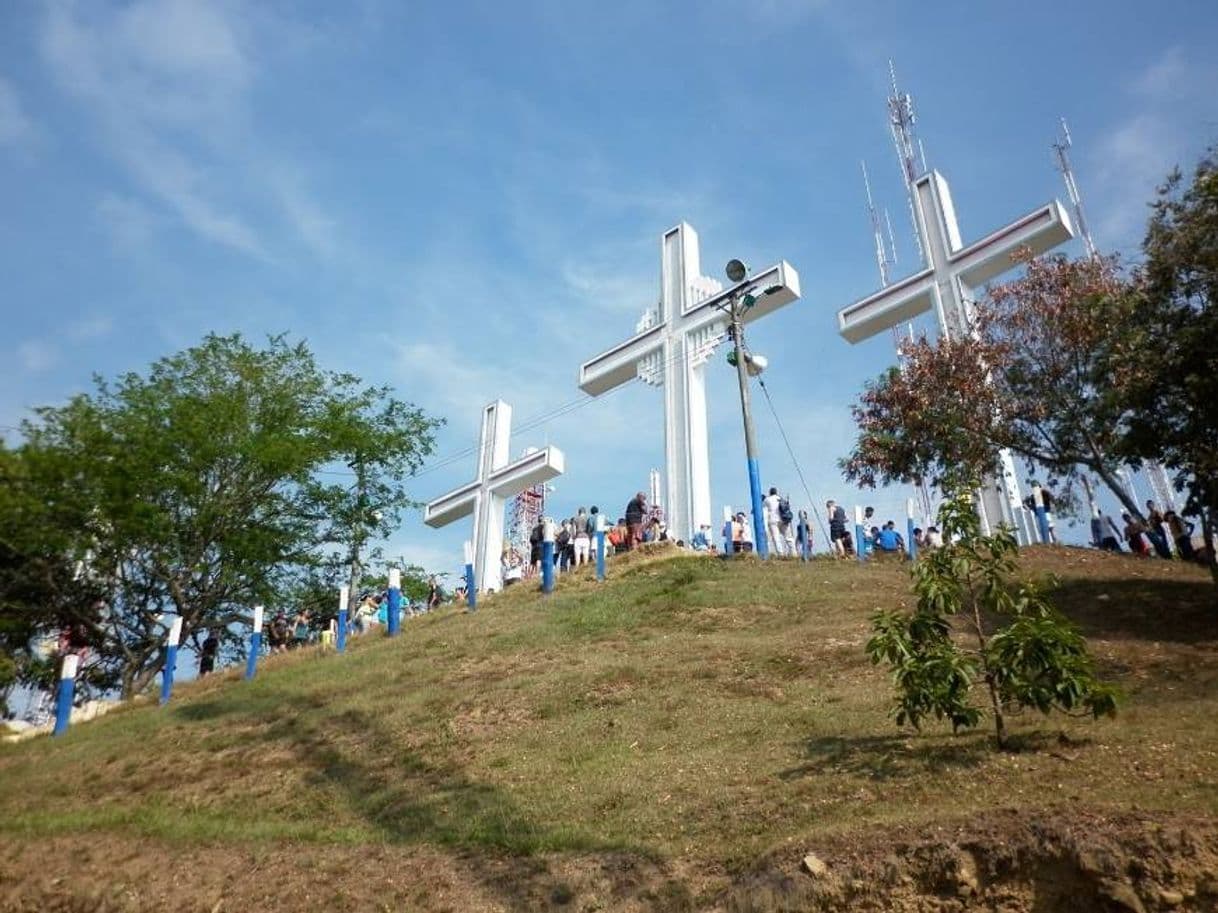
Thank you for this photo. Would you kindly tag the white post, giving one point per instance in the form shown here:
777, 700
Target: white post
67, 692
251, 662
471, 592
344, 601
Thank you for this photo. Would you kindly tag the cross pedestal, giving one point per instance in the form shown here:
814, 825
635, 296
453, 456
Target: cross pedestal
497, 481
670, 348
946, 285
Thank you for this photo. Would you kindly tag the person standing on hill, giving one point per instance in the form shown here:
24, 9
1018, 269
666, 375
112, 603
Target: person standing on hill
1135, 535
837, 529
636, 510
583, 537
774, 539
207, 654
803, 536
1182, 534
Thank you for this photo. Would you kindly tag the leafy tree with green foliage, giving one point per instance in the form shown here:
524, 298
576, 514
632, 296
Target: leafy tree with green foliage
197, 489
1025, 653
1164, 374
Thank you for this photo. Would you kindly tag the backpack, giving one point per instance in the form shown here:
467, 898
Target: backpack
784, 511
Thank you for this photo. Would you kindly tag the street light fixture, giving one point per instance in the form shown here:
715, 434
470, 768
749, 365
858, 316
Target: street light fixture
736, 270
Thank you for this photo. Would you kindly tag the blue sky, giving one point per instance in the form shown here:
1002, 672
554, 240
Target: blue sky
465, 200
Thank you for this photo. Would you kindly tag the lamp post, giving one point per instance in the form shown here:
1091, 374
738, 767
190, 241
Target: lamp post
738, 303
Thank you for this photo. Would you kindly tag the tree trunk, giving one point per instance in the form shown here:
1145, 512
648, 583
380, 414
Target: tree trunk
142, 676
1000, 728
1118, 489
1211, 559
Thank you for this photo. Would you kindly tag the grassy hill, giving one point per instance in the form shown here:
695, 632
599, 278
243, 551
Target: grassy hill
674, 739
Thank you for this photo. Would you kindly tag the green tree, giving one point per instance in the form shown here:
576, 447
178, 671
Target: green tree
1165, 374
197, 489
975, 628
1031, 377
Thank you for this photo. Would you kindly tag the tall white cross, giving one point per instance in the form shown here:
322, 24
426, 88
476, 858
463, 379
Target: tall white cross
946, 285
497, 481
669, 349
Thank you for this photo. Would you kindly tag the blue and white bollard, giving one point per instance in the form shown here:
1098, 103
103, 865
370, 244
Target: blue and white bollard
860, 547
727, 530
171, 659
910, 545
804, 535
393, 618
344, 597
471, 593
251, 661
67, 691
547, 555
600, 547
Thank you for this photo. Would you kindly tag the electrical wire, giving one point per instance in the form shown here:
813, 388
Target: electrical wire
794, 459
539, 420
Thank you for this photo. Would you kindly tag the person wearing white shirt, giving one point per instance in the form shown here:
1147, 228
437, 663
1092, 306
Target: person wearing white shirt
775, 539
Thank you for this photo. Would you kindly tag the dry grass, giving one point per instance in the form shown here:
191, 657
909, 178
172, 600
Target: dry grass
687, 711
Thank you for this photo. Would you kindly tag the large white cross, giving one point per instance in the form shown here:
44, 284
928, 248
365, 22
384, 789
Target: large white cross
497, 481
670, 348
946, 285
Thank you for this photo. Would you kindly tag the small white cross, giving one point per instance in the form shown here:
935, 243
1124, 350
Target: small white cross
497, 480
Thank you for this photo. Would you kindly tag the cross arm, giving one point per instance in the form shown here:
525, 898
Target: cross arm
781, 277
618, 365
456, 504
531, 469
886, 308
1038, 231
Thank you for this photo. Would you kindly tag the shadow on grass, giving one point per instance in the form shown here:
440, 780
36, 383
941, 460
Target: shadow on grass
1178, 611
412, 799
888, 757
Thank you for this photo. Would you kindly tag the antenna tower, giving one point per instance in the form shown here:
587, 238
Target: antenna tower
527, 509
901, 122
881, 253
1160, 485
1062, 149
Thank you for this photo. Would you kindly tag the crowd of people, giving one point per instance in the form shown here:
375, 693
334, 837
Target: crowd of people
788, 534
1163, 534
881, 540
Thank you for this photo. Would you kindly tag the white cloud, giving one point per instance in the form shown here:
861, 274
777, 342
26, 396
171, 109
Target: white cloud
15, 125
89, 328
127, 222
1135, 155
168, 83
1166, 76
37, 356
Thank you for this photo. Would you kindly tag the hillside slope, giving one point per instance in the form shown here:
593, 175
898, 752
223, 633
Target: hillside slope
674, 739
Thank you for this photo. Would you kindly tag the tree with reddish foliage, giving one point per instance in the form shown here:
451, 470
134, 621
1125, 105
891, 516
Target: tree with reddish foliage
1032, 376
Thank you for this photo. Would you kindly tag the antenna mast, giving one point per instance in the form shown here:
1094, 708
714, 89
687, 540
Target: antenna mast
1156, 474
901, 122
1062, 150
881, 254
